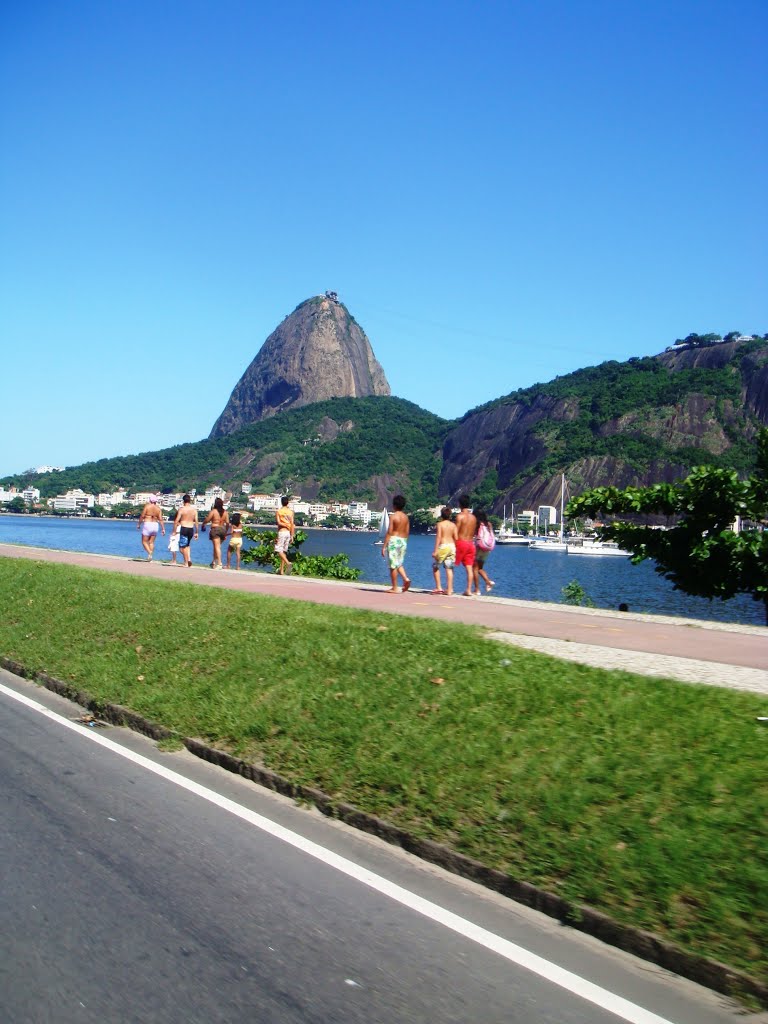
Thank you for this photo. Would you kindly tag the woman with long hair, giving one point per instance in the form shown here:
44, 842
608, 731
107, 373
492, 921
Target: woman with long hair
484, 544
219, 521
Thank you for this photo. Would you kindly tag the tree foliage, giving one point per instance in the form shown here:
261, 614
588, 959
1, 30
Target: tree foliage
700, 553
329, 567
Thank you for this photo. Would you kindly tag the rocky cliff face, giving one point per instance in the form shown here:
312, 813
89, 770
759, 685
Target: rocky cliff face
530, 438
318, 352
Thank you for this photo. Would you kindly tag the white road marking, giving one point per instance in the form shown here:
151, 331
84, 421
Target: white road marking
567, 980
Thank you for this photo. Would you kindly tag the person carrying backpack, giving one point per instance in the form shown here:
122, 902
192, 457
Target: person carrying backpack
485, 542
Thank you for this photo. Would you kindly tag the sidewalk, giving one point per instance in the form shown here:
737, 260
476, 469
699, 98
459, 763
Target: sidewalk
719, 654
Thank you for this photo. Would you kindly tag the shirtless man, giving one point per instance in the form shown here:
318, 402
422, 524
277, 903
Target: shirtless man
445, 552
286, 529
186, 520
150, 522
396, 542
466, 526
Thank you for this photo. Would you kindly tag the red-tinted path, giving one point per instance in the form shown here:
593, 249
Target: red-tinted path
726, 644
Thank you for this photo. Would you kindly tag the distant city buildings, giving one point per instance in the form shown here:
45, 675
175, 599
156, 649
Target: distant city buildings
81, 503
29, 495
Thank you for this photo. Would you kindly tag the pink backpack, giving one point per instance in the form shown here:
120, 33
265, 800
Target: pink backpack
486, 540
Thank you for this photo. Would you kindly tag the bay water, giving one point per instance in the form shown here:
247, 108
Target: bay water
519, 572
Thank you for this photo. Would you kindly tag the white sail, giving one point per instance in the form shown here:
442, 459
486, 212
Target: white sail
383, 527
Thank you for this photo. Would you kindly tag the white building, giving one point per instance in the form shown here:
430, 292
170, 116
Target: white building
73, 501
171, 501
547, 517
31, 495
318, 510
527, 518
359, 511
107, 499
142, 497
299, 506
9, 495
270, 502
245, 488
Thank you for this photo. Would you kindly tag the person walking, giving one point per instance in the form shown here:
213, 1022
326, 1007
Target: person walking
219, 521
286, 531
396, 544
445, 552
485, 542
173, 545
186, 521
235, 535
150, 523
466, 525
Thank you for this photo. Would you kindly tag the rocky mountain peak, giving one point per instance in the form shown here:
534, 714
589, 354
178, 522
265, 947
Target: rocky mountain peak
318, 352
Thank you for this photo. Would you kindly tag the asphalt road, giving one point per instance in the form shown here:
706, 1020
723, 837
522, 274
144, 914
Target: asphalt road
149, 887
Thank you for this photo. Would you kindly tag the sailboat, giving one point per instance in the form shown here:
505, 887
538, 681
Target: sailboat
383, 527
506, 535
542, 543
598, 547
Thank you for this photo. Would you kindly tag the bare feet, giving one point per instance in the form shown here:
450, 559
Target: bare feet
392, 590
437, 591
406, 585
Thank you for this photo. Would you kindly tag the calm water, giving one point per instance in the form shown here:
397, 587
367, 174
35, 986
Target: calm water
518, 571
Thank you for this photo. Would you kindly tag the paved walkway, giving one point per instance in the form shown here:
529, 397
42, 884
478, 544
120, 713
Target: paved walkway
720, 654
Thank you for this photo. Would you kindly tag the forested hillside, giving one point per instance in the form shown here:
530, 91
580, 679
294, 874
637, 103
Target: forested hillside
641, 421
363, 448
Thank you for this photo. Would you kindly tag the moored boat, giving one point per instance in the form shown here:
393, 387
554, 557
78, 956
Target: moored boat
597, 547
542, 544
507, 535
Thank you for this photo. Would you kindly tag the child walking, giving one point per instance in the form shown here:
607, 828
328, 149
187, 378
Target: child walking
173, 544
396, 543
445, 552
235, 539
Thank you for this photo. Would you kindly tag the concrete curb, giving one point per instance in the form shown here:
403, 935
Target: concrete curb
647, 946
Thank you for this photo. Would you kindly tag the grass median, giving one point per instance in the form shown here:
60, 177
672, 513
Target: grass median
643, 798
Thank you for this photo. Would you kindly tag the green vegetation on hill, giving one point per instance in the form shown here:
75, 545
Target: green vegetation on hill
379, 437
682, 409
644, 391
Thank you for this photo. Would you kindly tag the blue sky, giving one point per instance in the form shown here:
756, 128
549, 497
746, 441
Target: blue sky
499, 192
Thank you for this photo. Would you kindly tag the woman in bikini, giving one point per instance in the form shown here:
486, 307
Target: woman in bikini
219, 521
235, 539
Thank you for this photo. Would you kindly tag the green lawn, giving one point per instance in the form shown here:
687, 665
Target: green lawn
644, 798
